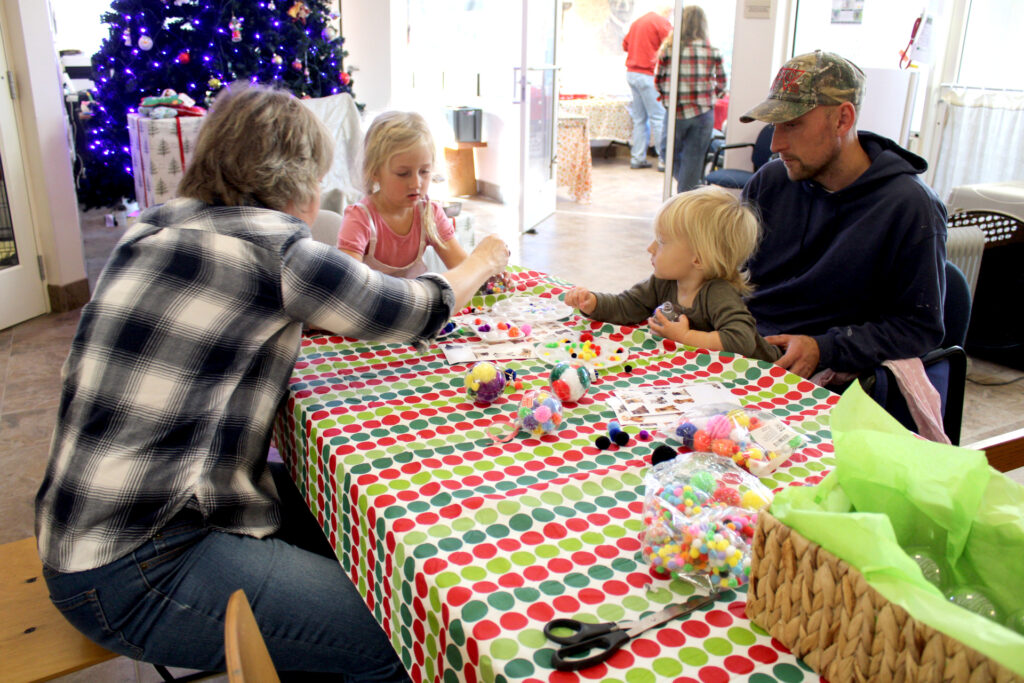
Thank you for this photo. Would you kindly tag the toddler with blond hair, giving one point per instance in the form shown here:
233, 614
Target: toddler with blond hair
702, 239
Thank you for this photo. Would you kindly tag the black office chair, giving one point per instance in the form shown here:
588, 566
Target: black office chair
735, 178
946, 366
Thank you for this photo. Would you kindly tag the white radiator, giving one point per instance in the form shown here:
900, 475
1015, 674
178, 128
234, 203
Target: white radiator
964, 247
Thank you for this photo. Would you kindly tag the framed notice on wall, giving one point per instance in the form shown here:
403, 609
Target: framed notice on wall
757, 9
847, 11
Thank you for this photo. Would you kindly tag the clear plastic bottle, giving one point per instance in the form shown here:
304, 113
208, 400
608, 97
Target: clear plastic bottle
668, 310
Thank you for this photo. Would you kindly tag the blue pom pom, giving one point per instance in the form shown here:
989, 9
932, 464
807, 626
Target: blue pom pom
685, 432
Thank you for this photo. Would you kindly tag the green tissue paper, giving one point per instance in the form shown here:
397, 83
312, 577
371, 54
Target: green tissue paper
892, 491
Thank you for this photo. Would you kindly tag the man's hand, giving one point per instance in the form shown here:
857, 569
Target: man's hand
676, 331
801, 353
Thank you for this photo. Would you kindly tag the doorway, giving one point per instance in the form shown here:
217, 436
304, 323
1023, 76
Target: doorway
503, 62
20, 277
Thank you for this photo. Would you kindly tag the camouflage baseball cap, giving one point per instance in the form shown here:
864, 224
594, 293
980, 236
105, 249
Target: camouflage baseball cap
807, 81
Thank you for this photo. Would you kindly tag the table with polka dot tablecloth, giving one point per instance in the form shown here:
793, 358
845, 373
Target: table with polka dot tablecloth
464, 548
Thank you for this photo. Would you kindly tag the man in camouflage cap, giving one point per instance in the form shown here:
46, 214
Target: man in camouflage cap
805, 82
850, 272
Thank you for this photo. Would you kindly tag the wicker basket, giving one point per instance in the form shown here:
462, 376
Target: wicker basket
823, 610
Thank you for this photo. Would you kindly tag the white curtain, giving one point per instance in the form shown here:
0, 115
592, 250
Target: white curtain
981, 140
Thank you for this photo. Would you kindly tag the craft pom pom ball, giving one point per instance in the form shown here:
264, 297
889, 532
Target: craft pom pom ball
485, 382
569, 381
540, 412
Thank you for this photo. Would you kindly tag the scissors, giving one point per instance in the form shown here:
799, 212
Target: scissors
607, 638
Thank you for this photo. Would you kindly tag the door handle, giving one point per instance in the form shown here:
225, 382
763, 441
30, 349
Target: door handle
517, 85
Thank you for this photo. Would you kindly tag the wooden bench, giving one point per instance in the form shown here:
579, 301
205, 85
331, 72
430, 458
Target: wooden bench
36, 641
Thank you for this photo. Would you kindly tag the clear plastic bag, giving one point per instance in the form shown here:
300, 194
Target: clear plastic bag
753, 439
700, 511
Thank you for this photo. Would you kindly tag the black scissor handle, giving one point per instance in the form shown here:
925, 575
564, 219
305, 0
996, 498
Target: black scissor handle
606, 644
580, 630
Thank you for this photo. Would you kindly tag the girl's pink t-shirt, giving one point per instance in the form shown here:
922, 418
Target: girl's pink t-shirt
392, 249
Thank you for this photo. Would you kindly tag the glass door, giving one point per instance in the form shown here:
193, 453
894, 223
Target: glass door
538, 93
20, 281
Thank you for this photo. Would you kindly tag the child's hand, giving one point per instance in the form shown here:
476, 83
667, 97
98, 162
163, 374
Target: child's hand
676, 331
494, 252
581, 298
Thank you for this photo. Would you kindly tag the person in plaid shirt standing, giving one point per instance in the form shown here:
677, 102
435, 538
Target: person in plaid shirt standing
701, 79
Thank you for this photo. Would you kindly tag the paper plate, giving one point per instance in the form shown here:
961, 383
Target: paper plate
556, 350
531, 309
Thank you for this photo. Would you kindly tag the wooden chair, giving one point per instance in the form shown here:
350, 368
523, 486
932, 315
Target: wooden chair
36, 642
245, 653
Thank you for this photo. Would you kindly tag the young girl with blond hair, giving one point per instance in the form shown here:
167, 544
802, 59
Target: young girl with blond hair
392, 226
702, 239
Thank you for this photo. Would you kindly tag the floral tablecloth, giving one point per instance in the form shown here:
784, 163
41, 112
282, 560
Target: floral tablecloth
607, 118
463, 549
574, 161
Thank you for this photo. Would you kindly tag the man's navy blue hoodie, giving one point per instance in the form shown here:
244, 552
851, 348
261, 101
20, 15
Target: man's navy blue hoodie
861, 270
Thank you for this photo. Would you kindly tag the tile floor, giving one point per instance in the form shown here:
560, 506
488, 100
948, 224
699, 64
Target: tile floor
600, 245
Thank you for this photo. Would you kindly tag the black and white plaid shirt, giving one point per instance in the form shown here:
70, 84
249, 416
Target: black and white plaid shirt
179, 363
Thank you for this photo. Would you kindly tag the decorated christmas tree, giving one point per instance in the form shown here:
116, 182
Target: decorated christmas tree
195, 47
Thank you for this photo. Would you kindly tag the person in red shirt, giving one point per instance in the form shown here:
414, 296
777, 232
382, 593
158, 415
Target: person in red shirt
641, 44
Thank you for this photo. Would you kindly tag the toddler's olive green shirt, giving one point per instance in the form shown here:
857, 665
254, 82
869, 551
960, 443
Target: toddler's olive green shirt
718, 307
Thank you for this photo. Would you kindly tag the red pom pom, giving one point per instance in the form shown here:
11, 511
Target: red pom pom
702, 441
727, 495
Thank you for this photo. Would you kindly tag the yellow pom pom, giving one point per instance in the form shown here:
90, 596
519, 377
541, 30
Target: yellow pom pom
752, 501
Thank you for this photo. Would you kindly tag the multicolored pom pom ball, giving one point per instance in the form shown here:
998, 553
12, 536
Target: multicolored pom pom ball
569, 381
540, 412
485, 382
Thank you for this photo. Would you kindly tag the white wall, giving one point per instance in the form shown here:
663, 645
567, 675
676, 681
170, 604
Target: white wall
759, 49
77, 24
374, 37
44, 138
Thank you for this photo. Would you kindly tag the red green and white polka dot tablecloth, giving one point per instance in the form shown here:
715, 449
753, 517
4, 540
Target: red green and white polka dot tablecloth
463, 549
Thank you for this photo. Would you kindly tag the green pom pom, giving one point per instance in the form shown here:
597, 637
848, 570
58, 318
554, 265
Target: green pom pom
703, 480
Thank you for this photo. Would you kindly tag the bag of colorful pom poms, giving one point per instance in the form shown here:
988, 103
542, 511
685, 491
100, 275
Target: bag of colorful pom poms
539, 413
700, 511
754, 439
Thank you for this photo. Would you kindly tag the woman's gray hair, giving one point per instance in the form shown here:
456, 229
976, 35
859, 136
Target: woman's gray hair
258, 146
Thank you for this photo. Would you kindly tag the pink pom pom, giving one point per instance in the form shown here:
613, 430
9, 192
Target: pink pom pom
542, 414
526, 330
718, 427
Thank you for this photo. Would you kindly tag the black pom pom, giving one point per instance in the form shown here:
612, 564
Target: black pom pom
602, 442
628, 368
662, 453
621, 438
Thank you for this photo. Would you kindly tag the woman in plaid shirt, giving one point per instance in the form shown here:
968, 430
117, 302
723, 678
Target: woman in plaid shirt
158, 501
701, 78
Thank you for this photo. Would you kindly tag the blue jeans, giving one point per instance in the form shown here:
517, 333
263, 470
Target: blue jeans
645, 110
164, 603
692, 137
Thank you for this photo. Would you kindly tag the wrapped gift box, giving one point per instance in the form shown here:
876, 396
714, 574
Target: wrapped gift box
161, 151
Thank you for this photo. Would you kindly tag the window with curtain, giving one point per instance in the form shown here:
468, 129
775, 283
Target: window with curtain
981, 115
